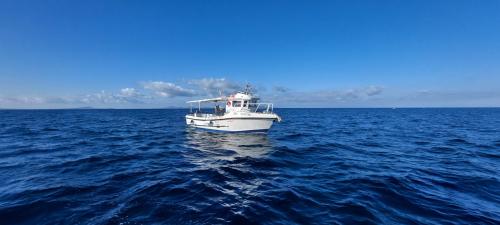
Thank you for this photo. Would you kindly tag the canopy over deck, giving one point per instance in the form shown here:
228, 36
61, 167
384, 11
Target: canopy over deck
219, 99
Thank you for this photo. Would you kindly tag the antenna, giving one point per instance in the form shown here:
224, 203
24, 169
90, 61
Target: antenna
247, 89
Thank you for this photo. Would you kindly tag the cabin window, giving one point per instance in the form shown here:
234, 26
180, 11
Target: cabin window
252, 104
245, 103
236, 103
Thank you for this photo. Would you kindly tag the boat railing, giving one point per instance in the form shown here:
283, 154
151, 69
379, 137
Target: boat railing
202, 115
264, 107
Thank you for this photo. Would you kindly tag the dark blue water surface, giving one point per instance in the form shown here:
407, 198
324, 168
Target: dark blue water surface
319, 166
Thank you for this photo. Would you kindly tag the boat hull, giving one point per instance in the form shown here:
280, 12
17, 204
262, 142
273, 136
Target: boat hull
231, 124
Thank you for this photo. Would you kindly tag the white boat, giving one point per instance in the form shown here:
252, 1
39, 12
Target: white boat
242, 112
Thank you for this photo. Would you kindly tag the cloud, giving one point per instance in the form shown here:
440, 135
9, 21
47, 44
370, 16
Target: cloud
369, 91
280, 89
161, 93
100, 98
33, 101
373, 90
129, 92
424, 92
22, 100
213, 86
326, 97
166, 89
126, 95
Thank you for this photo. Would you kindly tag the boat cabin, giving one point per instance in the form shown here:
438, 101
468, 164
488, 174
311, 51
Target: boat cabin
239, 102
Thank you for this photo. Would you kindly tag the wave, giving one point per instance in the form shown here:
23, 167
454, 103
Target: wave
328, 166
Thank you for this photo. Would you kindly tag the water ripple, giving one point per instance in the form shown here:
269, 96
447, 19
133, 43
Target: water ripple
319, 166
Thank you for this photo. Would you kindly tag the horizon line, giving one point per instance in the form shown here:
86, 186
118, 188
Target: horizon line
404, 107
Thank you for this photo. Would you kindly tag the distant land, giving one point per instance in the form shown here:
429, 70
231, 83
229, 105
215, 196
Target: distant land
91, 108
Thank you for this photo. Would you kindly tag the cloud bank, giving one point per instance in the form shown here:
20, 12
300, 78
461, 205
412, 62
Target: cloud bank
169, 93
155, 94
328, 97
215, 86
167, 89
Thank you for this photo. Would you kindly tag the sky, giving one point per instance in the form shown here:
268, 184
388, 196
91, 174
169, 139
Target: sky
156, 54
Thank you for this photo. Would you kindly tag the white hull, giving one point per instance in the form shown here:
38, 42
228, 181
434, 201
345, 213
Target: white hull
232, 124
240, 114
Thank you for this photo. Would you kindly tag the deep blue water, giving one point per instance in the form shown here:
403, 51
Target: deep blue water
319, 166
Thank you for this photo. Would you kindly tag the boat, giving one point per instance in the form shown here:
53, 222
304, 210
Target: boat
242, 113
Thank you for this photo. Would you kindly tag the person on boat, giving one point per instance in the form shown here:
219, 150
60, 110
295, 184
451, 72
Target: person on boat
218, 111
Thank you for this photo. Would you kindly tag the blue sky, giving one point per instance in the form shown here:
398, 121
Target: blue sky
148, 54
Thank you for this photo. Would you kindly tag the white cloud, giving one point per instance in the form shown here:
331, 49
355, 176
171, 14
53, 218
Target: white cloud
102, 97
22, 100
166, 89
33, 101
126, 95
129, 92
286, 96
213, 86
368, 96
373, 90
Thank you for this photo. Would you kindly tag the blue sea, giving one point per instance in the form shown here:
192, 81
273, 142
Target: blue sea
318, 166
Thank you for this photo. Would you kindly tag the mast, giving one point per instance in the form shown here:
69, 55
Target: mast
247, 89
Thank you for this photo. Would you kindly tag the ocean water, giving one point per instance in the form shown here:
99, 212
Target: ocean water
319, 166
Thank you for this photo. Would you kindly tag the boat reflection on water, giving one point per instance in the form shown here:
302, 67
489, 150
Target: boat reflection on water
229, 145
229, 157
